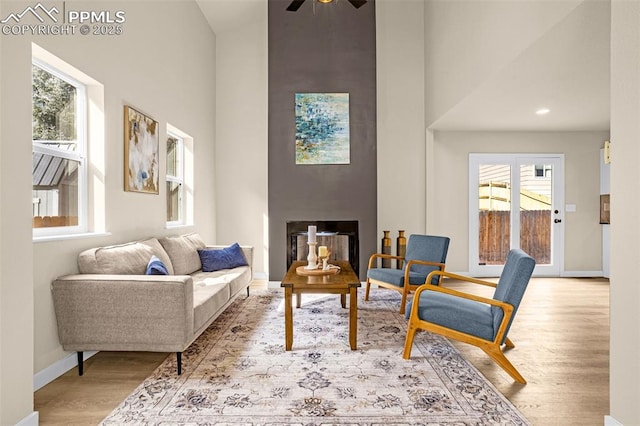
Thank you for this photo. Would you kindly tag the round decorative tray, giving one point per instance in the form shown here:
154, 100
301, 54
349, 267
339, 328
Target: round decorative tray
301, 270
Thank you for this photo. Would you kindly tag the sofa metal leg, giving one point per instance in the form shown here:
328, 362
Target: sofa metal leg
247, 291
80, 364
179, 359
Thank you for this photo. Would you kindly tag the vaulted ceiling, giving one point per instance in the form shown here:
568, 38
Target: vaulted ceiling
565, 67
557, 57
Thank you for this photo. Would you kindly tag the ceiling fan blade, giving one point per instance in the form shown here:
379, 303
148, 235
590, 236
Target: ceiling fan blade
357, 3
295, 5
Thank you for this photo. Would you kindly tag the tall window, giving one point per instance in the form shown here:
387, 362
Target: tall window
175, 179
59, 149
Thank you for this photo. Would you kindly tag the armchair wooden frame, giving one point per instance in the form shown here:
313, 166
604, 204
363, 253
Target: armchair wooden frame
406, 287
491, 348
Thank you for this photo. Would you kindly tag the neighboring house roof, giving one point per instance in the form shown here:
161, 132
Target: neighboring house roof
48, 170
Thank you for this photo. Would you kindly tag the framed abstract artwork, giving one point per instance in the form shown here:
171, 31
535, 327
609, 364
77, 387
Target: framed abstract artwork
322, 128
140, 152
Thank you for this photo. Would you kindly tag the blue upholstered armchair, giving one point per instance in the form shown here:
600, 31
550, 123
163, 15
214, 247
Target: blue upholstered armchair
472, 319
425, 254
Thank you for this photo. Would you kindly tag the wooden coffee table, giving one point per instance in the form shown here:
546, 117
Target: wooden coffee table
343, 283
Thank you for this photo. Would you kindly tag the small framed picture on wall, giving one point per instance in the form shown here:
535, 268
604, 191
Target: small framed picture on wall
140, 152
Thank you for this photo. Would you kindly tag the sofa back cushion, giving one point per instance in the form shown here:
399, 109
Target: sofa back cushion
123, 259
159, 251
183, 252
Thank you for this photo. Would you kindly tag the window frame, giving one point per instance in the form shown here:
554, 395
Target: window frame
79, 155
180, 179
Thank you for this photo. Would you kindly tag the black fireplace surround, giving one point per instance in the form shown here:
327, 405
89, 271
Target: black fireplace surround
339, 227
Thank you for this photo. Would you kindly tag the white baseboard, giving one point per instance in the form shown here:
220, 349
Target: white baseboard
31, 420
463, 273
565, 274
260, 276
610, 421
57, 369
273, 284
581, 274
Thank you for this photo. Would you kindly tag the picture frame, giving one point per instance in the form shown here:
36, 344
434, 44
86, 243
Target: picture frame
141, 152
322, 128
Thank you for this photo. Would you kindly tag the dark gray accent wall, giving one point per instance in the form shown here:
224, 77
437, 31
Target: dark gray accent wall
330, 51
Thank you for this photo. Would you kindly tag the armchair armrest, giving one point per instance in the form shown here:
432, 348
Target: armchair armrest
426, 263
442, 274
376, 256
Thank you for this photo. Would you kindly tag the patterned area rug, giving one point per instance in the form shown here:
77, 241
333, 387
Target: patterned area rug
238, 372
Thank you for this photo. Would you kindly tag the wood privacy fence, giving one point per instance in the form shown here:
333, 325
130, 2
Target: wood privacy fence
495, 232
49, 221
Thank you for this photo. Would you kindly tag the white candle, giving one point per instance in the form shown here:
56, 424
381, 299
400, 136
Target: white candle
312, 234
322, 251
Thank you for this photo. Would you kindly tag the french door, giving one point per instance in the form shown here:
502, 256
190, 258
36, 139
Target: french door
515, 201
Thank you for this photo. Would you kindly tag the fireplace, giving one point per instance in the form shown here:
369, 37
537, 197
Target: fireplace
340, 236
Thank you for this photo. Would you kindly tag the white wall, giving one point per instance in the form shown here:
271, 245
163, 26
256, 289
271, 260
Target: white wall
582, 187
625, 204
164, 65
16, 260
400, 65
241, 135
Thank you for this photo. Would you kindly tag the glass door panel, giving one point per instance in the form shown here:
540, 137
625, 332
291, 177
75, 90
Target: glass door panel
536, 195
494, 213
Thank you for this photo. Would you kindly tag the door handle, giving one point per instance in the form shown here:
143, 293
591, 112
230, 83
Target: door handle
557, 220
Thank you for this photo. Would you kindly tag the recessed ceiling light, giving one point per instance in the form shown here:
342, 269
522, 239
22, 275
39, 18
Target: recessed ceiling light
543, 111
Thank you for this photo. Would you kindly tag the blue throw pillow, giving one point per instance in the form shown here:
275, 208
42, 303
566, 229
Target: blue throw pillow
226, 258
156, 267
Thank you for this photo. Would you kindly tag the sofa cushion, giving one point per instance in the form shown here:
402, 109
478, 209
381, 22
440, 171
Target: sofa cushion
208, 298
236, 279
156, 267
123, 259
159, 251
226, 258
183, 252
396, 276
467, 316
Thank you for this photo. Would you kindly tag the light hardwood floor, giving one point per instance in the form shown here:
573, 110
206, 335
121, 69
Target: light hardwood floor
561, 337
561, 333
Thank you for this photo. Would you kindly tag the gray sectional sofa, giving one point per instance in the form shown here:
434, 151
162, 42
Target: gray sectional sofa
112, 305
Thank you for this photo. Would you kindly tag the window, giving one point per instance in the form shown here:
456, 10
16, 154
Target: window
175, 179
542, 171
179, 177
59, 148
